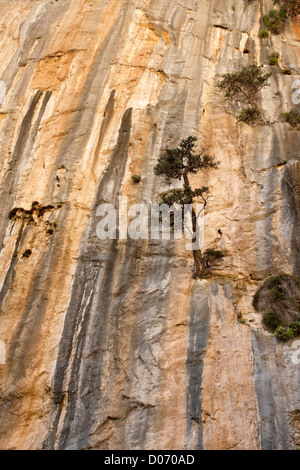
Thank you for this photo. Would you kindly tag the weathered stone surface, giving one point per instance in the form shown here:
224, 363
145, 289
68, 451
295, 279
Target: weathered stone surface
114, 345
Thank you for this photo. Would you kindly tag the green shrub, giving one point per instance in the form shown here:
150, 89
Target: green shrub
256, 299
272, 321
250, 115
179, 163
276, 280
284, 333
273, 59
136, 178
217, 254
292, 7
278, 294
274, 21
293, 118
296, 328
287, 332
286, 71
263, 34
245, 85
278, 300
26, 254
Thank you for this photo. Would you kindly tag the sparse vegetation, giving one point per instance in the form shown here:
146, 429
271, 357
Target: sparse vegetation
278, 299
293, 118
278, 294
245, 85
256, 299
273, 59
136, 179
250, 115
271, 321
263, 34
179, 163
287, 332
291, 7
286, 71
216, 254
274, 21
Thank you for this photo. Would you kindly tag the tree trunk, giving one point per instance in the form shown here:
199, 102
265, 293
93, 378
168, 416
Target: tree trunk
200, 266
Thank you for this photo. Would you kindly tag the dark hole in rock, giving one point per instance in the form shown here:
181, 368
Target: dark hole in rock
26, 254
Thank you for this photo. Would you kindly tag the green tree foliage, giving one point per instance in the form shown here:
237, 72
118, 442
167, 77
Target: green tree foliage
185, 196
246, 83
211, 255
136, 179
179, 163
286, 71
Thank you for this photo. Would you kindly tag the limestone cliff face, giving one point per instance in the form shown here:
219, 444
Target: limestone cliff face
114, 345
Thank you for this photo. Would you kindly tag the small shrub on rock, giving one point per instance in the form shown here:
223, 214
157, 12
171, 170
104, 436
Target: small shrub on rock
272, 321
136, 179
293, 118
273, 59
287, 332
286, 71
216, 254
250, 115
263, 34
274, 21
